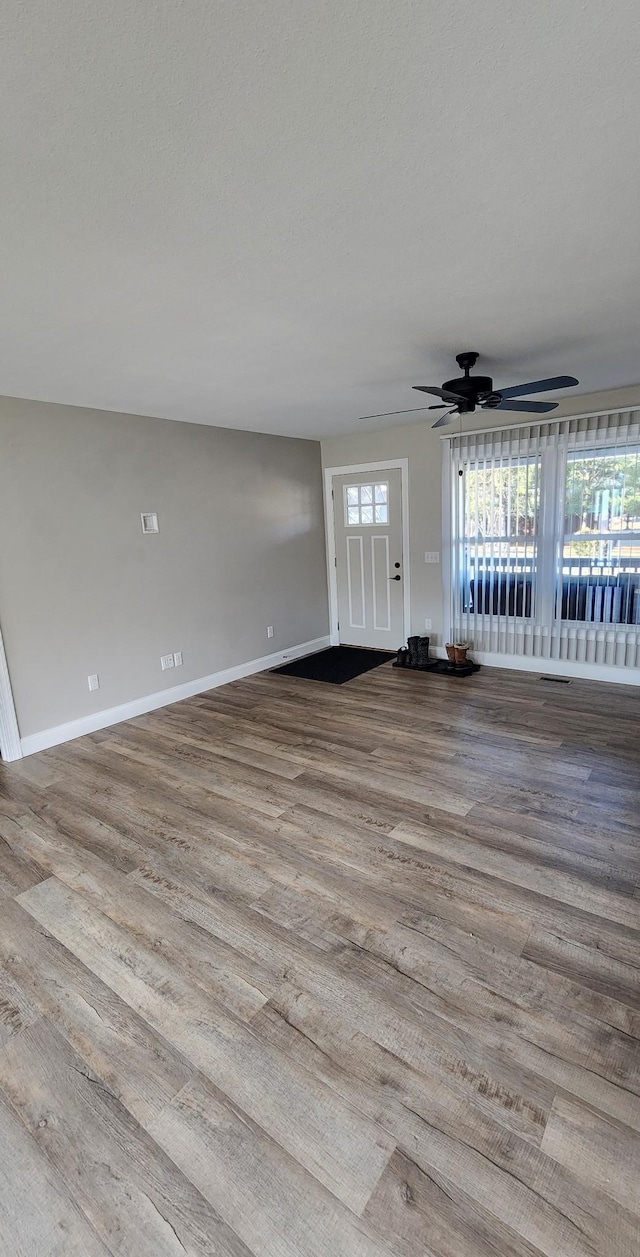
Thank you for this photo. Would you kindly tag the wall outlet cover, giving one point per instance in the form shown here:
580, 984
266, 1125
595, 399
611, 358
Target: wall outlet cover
427, 623
177, 658
94, 681
166, 661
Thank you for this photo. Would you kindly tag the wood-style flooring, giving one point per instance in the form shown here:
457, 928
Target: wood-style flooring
293, 970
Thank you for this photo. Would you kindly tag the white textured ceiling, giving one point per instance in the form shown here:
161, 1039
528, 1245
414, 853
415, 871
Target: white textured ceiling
280, 215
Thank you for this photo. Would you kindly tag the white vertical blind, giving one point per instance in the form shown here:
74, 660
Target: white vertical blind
544, 523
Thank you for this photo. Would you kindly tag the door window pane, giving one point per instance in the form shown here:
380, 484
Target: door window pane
366, 504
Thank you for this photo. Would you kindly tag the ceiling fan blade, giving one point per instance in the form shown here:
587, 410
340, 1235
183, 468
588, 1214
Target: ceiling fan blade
445, 419
439, 392
539, 386
533, 408
387, 413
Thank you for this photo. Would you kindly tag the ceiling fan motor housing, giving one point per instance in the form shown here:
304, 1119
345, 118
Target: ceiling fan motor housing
473, 389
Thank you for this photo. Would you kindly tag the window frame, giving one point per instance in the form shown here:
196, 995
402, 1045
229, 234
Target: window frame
575, 454
547, 544
531, 540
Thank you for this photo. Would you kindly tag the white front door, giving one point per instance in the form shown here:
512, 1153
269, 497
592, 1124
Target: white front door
367, 511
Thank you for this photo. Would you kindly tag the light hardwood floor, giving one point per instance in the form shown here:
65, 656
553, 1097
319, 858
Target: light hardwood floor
299, 970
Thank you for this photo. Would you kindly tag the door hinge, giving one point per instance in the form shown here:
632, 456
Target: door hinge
335, 561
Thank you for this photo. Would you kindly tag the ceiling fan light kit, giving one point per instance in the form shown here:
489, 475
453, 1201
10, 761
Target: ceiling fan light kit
471, 392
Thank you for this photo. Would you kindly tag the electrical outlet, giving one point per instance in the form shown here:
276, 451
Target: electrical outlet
427, 623
432, 556
94, 681
177, 658
166, 661
270, 630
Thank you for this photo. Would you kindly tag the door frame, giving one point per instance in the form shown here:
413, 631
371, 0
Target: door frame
10, 744
387, 464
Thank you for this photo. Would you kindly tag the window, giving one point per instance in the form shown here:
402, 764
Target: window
545, 532
601, 543
366, 504
597, 574
501, 512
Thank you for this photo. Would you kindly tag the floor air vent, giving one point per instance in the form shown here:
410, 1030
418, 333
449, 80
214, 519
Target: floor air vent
557, 680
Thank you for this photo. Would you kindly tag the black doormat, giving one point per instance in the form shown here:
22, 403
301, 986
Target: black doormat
337, 664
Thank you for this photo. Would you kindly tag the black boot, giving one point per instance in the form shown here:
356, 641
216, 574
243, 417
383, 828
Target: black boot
413, 644
423, 652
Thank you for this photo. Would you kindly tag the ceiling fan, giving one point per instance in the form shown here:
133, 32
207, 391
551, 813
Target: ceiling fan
461, 397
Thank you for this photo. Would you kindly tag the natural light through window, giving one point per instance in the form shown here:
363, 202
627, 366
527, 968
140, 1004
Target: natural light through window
501, 506
602, 537
366, 504
552, 537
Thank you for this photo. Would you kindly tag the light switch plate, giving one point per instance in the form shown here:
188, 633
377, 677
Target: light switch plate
432, 556
177, 658
270, 630
166, 661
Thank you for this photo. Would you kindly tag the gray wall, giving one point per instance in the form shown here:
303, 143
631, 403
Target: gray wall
422, 446
82, 590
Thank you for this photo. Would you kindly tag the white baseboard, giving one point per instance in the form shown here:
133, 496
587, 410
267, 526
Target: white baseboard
163, 698
553, 667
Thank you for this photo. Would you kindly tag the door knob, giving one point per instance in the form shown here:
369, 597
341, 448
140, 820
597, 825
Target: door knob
394, 578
